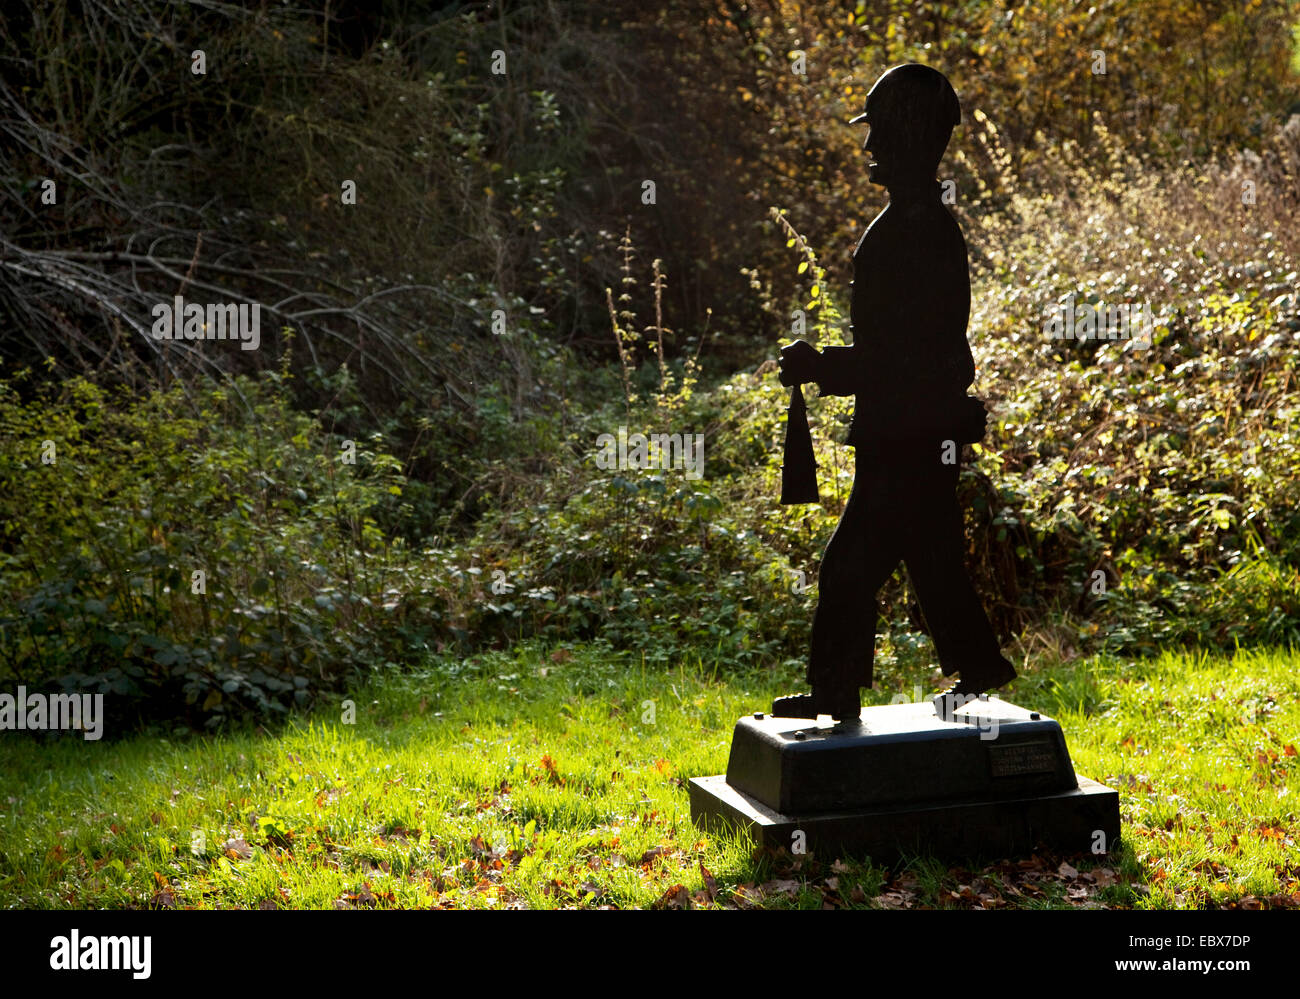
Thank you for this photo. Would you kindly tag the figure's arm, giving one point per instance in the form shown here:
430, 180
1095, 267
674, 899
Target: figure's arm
834, 369
837, 371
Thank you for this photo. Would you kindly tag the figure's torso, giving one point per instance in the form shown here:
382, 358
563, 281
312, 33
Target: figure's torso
910, 305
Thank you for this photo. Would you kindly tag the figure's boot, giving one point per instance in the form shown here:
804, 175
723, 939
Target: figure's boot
842, 705
970, 686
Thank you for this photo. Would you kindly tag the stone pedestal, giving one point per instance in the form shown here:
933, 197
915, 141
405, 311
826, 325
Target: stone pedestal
997, 780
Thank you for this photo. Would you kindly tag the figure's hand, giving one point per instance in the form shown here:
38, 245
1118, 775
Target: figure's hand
799, 363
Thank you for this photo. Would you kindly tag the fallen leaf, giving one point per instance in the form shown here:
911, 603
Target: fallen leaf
676, 897
362, 897
654, 853
237, 849
164, 897
1067, 872
782, 886
710, 883
746, 896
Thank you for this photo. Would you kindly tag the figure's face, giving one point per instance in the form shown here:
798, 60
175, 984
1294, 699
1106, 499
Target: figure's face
880, 149
893, 153
891, 158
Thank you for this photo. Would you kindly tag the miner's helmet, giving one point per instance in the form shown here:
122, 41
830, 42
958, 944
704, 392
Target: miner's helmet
917, 92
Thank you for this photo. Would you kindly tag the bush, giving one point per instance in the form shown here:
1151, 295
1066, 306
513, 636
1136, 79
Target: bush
208, 548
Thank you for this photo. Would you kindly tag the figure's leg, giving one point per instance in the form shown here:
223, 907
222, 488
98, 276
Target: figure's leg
933, 552
859, 559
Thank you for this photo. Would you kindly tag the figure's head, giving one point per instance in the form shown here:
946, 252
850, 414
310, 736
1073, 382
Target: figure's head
911, 112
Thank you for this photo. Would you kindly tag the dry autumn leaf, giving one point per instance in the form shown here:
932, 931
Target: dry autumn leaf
710, 883
237, 849
654, 853
781, 886
676, 897
163, 899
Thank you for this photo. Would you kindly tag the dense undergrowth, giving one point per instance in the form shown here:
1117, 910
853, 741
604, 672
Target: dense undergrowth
409, 462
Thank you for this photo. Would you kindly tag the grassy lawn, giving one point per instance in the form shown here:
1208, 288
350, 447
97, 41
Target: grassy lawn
540, 780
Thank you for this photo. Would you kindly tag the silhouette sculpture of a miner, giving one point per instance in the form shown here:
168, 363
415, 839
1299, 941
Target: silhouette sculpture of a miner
909, 366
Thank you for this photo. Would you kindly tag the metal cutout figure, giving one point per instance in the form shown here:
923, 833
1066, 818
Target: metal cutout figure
909, 367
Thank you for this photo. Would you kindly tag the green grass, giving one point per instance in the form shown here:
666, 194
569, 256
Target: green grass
536, 780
